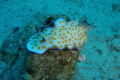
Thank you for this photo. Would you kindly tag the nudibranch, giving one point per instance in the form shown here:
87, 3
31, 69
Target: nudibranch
62, 35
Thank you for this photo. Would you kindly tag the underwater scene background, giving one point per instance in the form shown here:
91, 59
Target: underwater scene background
97, 59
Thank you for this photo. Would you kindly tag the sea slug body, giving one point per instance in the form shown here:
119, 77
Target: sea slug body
63, 34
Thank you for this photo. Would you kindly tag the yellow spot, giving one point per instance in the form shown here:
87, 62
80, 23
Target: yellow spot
65, 40
62, 38
75, 38
73, 22
41, 41
81, 47
39, 34
46, 40
65, 29
72, 36
43, 47
34, 41
66, 23
58, 37
39, 47
78, 43
53, 26
59, 34
46, 30
78, 31
62, 41
45, 35
74, 33
51, 42
80, 38
70, 28
75, 28
54, 38
59, 42
60, 45
65, 44
74, 43
59, 31
84, 40
32, 47
54, 46
78, 34
82, 35
55, 34
31, 43
60, 22
33, 37
62, 26
50, 34
69, 39
63, 33
68, 32
75, 25
68, 47
52, 30
35, 44
82, 29
65, 36
73, 47
63, 21
71, 25
49, 48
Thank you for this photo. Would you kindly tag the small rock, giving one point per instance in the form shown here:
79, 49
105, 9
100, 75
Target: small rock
81, 58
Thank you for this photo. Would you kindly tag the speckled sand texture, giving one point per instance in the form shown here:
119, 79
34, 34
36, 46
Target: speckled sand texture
102, 50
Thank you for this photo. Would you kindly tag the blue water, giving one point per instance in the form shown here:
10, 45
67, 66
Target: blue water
102, 50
